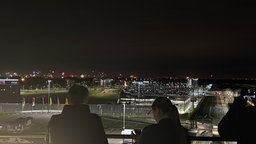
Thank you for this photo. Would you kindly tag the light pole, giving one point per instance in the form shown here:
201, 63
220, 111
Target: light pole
123, 116
49, 86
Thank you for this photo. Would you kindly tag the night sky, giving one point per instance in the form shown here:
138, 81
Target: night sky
146, 38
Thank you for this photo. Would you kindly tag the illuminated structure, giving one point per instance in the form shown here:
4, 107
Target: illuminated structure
192, 82
9, 91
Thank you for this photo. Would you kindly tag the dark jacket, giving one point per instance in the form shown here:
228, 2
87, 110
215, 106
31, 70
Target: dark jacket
76, 125
239, 123
164, 132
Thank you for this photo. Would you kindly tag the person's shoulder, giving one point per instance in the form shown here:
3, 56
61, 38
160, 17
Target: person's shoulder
248, 115
54, 118
148, 131
94, 116
149, 127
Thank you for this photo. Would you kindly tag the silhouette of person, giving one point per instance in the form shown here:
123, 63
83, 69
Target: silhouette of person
239, 121
168, 128
76, 125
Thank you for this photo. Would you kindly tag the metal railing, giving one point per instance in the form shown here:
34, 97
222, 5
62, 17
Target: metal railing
192, 139
112, 139
102, 110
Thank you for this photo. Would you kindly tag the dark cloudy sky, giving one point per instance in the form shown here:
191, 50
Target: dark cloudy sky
176, 38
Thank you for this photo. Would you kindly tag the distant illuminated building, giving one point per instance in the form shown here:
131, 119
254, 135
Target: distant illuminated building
9, 91
189, 82
192, 82
195, 82
106, 82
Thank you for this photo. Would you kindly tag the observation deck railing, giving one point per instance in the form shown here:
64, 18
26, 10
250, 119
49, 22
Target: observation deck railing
192, 139
112, 138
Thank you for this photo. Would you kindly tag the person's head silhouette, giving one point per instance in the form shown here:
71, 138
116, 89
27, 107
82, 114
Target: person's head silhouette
162, 107
78, 94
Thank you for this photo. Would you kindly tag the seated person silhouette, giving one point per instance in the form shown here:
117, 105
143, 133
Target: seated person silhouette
239, 121
168, 128
76, 125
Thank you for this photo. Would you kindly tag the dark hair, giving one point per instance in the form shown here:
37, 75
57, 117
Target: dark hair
166, 106
77, 93
163, 103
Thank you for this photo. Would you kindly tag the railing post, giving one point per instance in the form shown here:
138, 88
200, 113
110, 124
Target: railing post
123, 115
